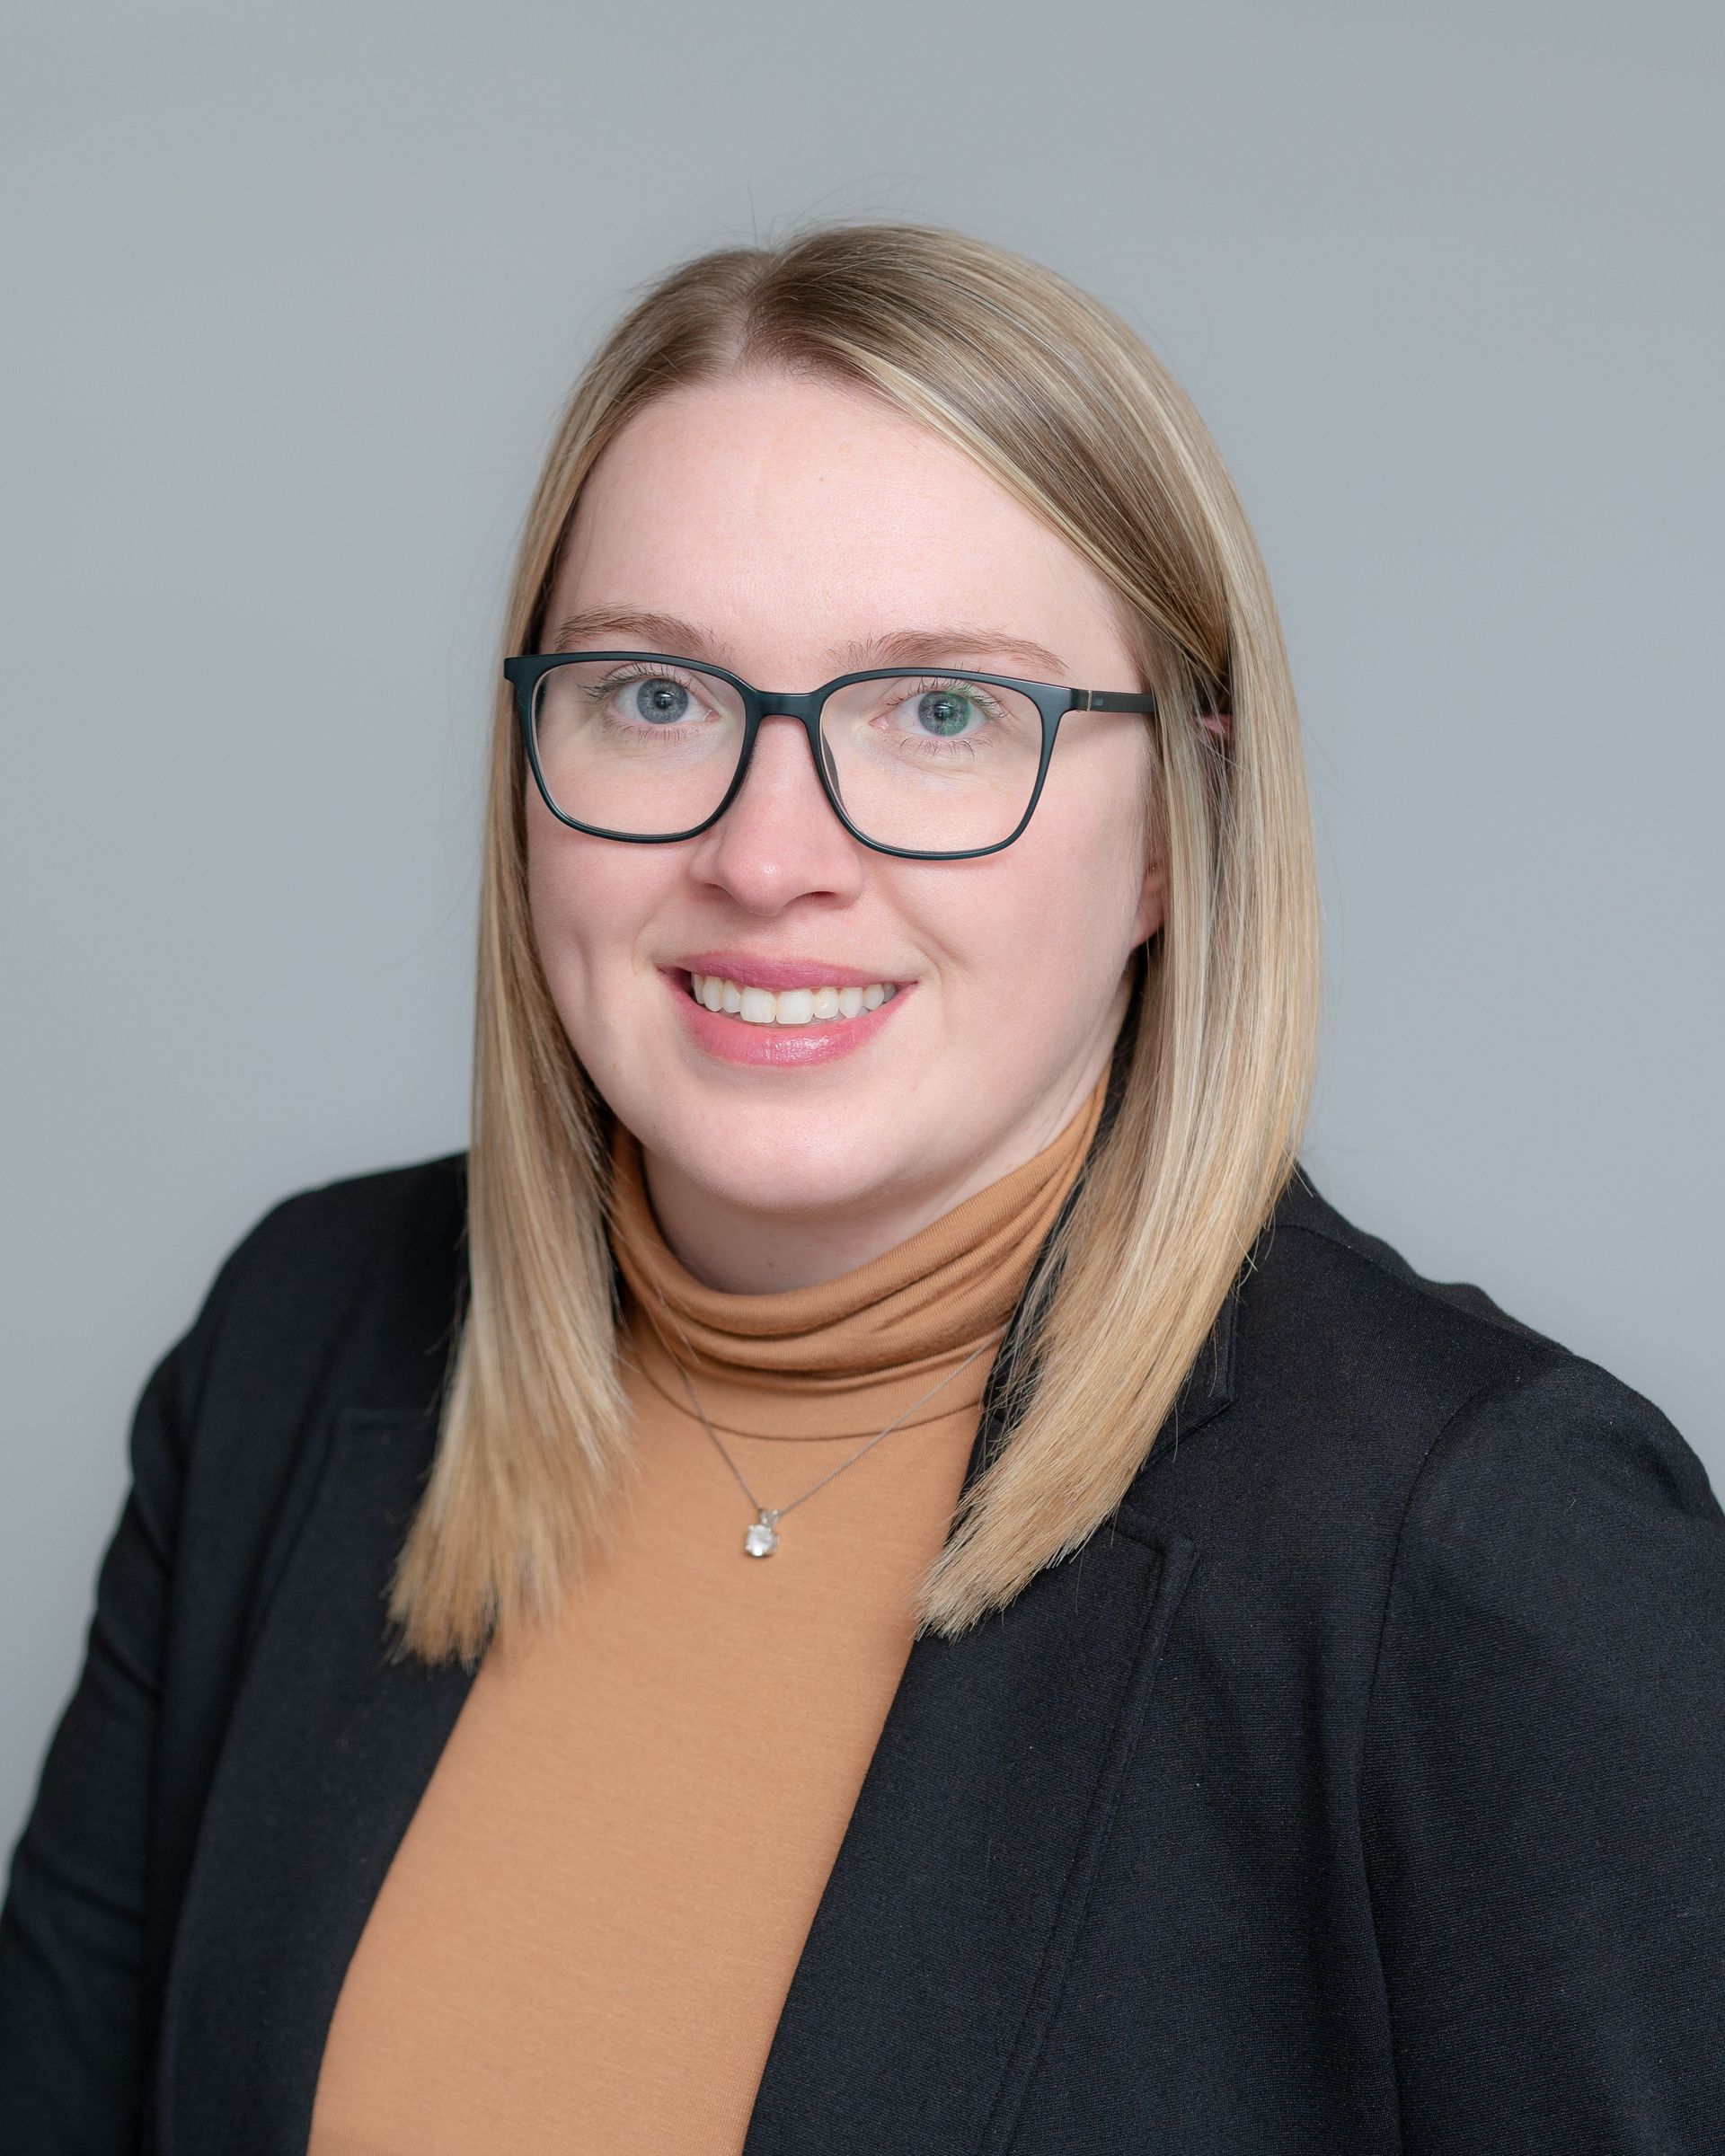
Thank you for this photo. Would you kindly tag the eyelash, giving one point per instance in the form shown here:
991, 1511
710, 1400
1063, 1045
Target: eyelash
638, 671
976, 691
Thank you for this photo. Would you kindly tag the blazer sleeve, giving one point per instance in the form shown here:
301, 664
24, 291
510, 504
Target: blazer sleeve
1543, 1787
75, 2023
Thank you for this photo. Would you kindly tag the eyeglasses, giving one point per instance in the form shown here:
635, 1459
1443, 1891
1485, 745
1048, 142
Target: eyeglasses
935, 765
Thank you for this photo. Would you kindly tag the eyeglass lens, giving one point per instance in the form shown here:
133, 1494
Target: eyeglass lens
929, 762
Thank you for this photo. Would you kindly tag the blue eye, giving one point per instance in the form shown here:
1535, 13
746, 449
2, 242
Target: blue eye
943, 711
659, 702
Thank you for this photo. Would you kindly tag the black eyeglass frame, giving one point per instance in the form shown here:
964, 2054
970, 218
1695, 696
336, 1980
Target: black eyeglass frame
525, 670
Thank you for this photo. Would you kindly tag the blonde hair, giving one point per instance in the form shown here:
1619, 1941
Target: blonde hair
1067, 409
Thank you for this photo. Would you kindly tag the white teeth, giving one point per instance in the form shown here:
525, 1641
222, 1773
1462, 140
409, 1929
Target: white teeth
790, 1006
760, 1006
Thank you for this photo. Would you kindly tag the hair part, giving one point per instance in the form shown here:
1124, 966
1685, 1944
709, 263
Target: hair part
1069, 410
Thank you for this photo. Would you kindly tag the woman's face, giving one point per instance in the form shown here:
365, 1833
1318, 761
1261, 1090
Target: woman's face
787, 527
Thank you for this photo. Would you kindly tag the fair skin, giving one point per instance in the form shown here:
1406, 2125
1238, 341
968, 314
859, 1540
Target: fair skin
792, 523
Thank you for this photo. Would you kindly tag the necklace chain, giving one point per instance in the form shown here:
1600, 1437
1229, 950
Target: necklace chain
762, 1538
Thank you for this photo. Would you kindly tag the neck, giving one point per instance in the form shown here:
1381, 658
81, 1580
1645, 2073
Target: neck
747, 1250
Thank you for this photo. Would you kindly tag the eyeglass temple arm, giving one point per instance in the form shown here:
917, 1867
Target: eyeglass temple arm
1111, 700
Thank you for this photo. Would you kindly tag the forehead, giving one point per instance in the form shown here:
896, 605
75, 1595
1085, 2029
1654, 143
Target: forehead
792, 515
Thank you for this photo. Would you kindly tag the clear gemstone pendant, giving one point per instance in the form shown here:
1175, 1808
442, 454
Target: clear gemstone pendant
763, 1536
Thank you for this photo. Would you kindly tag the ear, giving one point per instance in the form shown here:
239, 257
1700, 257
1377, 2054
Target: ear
1219, 723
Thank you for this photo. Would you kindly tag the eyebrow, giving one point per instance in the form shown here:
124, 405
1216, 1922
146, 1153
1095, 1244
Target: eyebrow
956, 643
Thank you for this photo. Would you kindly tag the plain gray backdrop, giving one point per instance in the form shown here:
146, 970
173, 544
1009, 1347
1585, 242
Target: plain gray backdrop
293, 294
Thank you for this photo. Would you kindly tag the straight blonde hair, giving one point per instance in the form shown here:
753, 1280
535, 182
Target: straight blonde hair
1070, 411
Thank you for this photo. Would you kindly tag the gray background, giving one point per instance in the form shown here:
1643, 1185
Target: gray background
296, 292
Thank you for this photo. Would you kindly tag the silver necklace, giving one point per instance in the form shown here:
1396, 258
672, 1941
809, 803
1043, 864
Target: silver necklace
762, 1536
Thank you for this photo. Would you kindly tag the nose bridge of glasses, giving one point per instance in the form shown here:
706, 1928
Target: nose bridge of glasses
790, 703
804, 708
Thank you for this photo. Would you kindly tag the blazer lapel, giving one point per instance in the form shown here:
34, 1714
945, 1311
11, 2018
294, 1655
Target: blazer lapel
327, 1754
939, 1951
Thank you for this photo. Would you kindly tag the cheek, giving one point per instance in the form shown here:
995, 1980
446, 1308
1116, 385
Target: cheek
589, 901
1083, 872
551, 887
1041, 932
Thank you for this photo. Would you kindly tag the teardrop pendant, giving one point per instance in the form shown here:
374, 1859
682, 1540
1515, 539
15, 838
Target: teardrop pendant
763, 1536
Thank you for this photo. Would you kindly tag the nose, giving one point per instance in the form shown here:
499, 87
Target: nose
779, 840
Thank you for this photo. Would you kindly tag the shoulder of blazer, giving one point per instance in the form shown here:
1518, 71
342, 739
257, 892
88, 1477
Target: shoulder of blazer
342, 1299
1337, 1358
1303, 1211
347, 1292
1379, 1427
1331, 1344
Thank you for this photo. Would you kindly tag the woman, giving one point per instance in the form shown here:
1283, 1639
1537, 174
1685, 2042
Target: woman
873, 1568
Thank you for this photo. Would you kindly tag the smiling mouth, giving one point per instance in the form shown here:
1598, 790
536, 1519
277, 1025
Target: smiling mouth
789, 1006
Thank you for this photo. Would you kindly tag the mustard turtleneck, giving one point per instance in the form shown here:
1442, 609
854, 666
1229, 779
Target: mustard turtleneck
586, 1936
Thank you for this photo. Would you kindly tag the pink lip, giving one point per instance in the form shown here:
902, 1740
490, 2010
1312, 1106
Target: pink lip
789, 1048
778, 973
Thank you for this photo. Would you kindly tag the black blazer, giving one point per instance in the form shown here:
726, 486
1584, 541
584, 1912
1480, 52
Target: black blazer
1358, 1788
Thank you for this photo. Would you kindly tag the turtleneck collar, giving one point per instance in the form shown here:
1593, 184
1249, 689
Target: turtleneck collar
842, 1357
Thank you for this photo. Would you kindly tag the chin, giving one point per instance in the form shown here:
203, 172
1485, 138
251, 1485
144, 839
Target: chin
795, 1160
